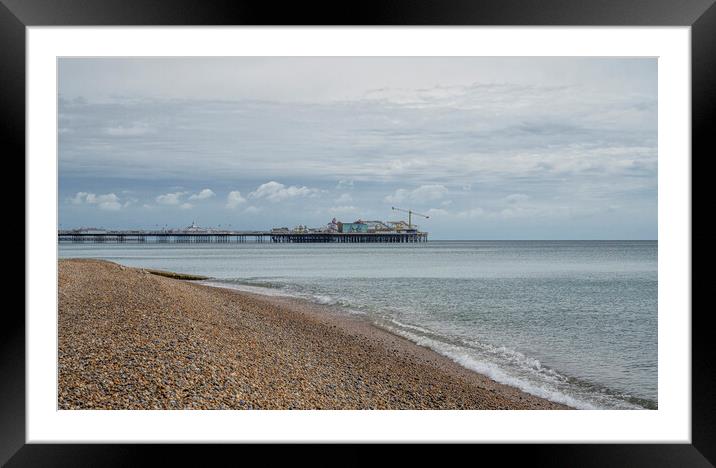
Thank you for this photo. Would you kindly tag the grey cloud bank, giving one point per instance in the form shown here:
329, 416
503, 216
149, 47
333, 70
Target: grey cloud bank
512, 148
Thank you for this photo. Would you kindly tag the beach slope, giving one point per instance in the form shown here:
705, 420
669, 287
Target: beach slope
130, 339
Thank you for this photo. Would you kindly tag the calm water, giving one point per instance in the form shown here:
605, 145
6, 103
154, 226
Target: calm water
575, 322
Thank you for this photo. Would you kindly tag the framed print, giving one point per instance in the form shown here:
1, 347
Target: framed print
465, 222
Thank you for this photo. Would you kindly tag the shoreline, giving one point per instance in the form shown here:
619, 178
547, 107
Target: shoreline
356, 324
130, 339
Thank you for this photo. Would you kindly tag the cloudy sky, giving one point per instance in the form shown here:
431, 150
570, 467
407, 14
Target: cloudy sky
490, 148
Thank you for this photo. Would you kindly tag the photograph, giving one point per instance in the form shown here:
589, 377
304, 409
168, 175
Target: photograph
401, 224
357, 233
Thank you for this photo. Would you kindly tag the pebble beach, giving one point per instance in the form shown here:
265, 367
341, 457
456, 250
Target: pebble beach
133, 339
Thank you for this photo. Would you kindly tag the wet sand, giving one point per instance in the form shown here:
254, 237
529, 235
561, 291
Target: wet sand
130, 339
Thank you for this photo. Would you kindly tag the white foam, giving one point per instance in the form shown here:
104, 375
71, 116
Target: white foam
323, 299
543, 376
498, 374
411, 327
265, 291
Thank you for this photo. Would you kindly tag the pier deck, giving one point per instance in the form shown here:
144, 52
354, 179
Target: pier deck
141, 237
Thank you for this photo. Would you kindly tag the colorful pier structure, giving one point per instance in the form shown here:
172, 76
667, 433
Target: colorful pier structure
141, 237
335, 232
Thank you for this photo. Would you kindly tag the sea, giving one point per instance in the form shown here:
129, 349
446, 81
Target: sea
571, 321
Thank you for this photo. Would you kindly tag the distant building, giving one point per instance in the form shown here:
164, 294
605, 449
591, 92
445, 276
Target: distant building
377, 226
332, 226
194, 228
358, 226
402, 226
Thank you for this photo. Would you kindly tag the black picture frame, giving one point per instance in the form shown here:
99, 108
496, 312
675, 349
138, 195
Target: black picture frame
16, 15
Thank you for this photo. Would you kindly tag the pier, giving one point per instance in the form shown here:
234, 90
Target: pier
236, 237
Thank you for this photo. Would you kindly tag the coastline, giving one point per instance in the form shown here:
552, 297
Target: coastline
130, 339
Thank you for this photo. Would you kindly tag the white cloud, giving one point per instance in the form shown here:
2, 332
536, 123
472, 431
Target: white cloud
516, 198
274, 191
344, 199
471, 213
186, 206
170, 198
79, 198
345, 209
399, 196
234, 199
136, 129
108, 201
203, 195
430, 192
110, 205
422, 194
252, 209
437, 212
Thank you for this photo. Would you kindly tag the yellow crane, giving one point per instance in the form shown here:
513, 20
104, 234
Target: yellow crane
410, 215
